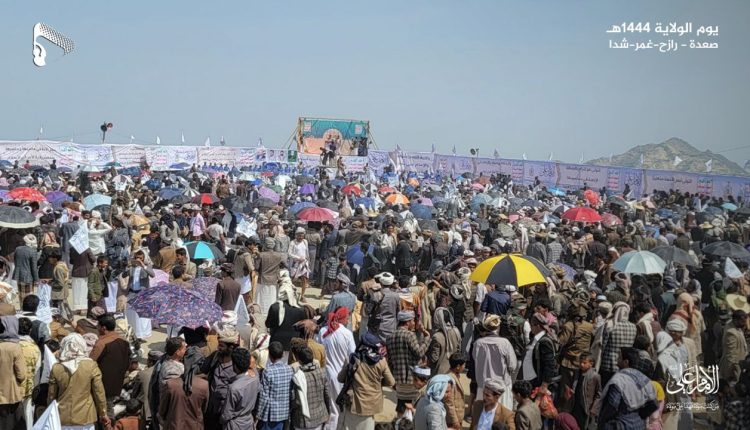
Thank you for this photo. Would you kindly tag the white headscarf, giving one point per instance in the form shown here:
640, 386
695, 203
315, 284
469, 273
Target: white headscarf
73, 351
286, 294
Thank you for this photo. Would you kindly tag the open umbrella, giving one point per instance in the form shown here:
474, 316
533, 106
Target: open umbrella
301, 205
713, 210
665, 213
338, 183
307, 189
640, 262
386, 189
263, 202
179, 166
205, 199
316, 214
727, 250
200, 250
56, 198
351, 189
729, 206
90, 168
26, 194
15, 217
269, 194
618, 201
425, 201
582, 214
511, 269
609, 220
114, 164
428, 225
328, 204
397, 199
94, 200
744, 211
421, 212
367, 202
206, 287
480, 199
168, 193
591, 196
556, 192
176, 305
673, 254
532, 203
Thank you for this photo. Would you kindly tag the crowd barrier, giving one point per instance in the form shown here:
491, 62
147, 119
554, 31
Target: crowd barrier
551, 173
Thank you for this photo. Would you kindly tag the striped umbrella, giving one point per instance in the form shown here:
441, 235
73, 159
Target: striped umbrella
511, 269
203, 250
397, 199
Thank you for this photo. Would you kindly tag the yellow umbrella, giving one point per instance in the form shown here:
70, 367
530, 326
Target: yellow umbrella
511, 269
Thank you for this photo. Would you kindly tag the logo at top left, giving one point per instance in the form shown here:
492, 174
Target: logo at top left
53, 36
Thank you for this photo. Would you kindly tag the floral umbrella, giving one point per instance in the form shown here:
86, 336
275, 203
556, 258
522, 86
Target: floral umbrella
176, 305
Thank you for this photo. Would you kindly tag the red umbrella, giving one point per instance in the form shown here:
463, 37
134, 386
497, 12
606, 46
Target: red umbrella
386, 189
351, 189
316, 214
27, 194
205, 199
266, 174
582, 214
609, 220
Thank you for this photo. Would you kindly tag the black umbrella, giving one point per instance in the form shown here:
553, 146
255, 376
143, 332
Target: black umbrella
15, 217
264, 203
727, 249
743, 211
302, 180
675, 255
328, 204
180, 199
428, 225
105, 210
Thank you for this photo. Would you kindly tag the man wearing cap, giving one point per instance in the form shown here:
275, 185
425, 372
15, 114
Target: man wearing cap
219, 367
26, 271
343, 297
227, 290
389, 306
142, 382
489, 411
494, 357
733, 348
404, 352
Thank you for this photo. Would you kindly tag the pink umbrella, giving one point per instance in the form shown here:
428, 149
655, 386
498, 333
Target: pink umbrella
425, 201
269, 194
608, 220
477, 187
316, 214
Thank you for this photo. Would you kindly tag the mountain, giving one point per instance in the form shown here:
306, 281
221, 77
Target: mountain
661, 156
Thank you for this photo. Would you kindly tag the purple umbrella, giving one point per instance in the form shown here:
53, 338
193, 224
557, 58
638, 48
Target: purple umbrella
4, 194
176, 305
57, 198
307, 189
425, 201
269, 194
206, 287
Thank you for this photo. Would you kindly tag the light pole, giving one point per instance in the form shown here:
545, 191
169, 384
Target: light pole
106, 126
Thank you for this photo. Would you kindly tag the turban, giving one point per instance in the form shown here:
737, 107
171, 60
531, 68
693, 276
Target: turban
404, 316
227, 333
677, 324
30, 240
496, 385
385, 279
491, 323
336, 318
422, 372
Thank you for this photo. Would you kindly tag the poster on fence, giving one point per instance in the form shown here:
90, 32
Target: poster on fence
544, 170
218, 155
492, 166
128, 155
420, 162
576, 176
378, 160
667, 180
355, 164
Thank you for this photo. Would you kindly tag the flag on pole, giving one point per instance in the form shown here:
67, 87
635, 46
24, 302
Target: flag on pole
581, 162
182, 137
454, 149
132, 138
551, 156
709, 164
497, 154
433, 148
207, 143
41, 129
222, 142
677, 161
158, 141
523, 156
610, 157
641, 159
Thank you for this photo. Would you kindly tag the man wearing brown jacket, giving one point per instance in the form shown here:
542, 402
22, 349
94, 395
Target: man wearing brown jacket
13, 369
112, 353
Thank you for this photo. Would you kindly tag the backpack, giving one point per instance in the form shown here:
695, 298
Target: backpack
511, 328
538, 358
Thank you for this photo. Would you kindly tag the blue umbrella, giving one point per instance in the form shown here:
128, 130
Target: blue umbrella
179, 166
5, 163
257, 182
556, 191
301, 205
367, 202
729, 206
665, 213
713, 210
168, 193
94, 200
479, 199
199, 250
354, 255
421, 212
338, 183
153, 184
57, 198
128, 171
114, 164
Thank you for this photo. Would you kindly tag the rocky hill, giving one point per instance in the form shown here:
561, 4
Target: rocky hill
662, 156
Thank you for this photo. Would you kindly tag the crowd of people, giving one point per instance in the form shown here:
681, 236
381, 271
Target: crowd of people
469, 301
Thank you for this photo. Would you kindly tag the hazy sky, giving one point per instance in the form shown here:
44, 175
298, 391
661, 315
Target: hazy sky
516, 76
